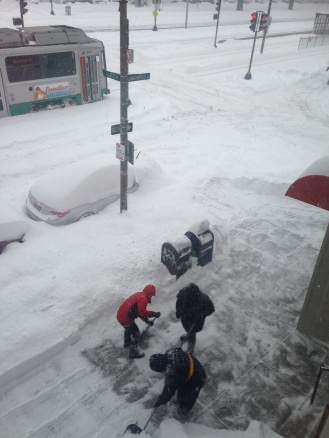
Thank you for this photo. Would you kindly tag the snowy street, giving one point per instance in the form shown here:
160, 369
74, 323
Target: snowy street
212, 146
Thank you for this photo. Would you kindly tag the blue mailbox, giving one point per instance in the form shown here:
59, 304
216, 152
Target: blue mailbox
177, 257
202, 240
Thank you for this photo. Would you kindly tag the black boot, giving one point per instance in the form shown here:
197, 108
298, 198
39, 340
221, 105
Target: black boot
135, 353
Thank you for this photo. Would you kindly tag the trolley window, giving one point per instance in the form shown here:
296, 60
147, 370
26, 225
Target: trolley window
48, 65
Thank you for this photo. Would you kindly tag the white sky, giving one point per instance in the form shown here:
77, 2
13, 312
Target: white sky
213, 146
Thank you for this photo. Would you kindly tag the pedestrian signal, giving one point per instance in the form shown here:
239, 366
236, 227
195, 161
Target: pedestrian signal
264, 21
17, 21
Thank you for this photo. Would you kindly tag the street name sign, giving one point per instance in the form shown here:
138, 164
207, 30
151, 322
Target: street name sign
116, 129
111, 75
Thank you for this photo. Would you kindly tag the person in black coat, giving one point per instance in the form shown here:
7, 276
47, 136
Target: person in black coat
192, 307
183, 373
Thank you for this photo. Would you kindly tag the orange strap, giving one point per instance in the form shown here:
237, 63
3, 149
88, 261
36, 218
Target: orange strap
191, 369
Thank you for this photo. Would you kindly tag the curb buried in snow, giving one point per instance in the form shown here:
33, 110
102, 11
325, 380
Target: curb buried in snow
9, 378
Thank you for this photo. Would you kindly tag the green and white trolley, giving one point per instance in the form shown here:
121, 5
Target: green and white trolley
47, 66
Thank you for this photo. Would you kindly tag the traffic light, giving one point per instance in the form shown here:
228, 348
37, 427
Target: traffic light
253, 21
263, 21
218, 4
22, 6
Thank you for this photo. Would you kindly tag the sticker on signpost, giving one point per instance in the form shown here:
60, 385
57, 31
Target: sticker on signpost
120, 152
130, 56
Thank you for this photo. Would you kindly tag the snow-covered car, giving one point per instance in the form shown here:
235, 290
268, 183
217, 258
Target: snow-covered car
11, 232
77, 191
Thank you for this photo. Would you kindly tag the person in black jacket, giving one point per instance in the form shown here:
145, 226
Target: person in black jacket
183, 373
192, 307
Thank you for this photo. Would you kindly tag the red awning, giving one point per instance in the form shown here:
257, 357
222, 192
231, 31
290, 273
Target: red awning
313, 185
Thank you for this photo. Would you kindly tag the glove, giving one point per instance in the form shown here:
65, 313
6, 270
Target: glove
156, 314
157, 403
150, 323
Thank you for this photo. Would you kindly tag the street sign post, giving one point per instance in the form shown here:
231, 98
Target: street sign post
155, 14
125, 148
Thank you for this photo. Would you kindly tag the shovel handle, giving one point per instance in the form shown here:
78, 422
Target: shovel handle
181, 343
316, 385
149, 418
322, 368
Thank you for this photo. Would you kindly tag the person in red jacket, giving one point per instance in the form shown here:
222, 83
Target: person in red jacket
134, 307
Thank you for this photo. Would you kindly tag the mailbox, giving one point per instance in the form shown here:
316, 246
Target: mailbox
202, 240
177, 257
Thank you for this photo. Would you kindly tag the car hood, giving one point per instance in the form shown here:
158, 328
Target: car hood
80, 183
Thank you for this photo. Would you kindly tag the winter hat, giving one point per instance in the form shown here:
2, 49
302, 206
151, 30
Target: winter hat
158, 362
149, 291
194, 289
178, 358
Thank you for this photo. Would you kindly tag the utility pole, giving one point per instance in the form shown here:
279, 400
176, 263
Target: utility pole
266, 28
186, 13
124, 101
216, 17
51, 8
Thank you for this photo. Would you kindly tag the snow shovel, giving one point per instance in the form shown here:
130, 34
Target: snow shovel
135, 429
185, 337
147, 328
322, 368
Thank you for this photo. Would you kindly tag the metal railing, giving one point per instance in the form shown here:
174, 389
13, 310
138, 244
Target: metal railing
313, 41
321, 24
